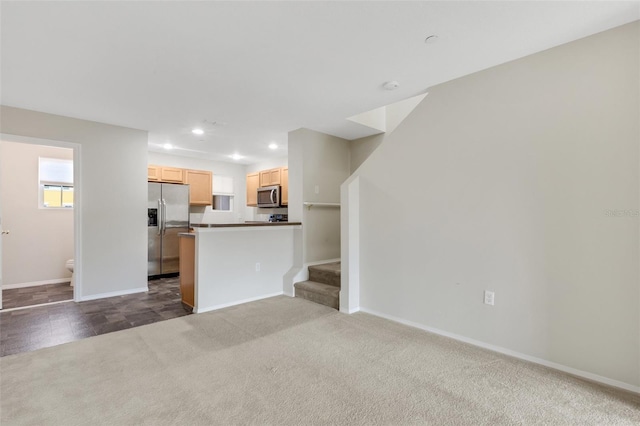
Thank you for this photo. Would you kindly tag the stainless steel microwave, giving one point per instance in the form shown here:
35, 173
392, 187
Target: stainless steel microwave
269, 196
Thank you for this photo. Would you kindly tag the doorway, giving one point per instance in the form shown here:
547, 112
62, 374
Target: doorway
39, 212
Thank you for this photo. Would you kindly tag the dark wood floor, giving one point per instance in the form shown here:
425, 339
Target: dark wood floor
43, 326
36, 295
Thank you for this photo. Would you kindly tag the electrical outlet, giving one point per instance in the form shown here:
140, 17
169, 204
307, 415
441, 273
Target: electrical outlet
317, 189
489, 297
258, 267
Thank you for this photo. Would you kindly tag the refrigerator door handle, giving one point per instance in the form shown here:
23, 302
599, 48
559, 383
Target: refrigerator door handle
161, 217
164, 216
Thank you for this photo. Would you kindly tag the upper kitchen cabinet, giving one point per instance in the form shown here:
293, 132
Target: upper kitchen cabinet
164, 174
153, 173
171, 174
253, 182
262, 178
284, 182
270, 177
200, 183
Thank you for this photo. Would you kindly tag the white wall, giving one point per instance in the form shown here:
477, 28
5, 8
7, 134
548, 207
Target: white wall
360, 149
502, 180
113, 197
269, 163
41, 240
398, 111
376, 118
226, 259
317, 160
394, 114
254, 213
204, 214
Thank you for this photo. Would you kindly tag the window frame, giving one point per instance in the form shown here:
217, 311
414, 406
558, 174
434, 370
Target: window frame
63, 186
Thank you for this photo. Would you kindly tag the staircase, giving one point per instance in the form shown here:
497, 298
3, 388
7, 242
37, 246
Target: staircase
323, 285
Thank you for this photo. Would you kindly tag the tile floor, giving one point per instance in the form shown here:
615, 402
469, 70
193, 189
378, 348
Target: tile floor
37, 295
39, 327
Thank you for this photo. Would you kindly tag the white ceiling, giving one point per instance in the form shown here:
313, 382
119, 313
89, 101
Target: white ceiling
262, 69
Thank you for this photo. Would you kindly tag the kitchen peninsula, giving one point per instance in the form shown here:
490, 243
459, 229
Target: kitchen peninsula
228, 264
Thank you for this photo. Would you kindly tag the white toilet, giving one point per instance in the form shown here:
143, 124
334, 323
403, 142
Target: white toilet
69, 265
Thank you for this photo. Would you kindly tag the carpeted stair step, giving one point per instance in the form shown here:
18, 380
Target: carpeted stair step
321, 293
326, 273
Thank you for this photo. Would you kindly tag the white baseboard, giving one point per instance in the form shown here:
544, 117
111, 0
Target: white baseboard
36, 283
239, 302
113, 294
550, 364
37, 306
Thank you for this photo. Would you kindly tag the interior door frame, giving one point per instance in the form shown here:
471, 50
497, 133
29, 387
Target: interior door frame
77, 201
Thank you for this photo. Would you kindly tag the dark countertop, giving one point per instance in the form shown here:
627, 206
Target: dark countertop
242, 225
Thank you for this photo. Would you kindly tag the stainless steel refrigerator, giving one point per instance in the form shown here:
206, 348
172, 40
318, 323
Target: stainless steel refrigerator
168, 211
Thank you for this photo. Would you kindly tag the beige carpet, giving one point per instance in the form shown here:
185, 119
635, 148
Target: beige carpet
287, 361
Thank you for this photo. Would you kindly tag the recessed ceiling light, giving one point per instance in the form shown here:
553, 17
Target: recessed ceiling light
431, 39
391, 85
236, 156
198, 132
167, 146
273, 145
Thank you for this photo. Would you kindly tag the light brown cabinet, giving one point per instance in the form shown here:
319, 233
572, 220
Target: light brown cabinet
270, 177
284, 182
171, 174
278, 176
187, 250
253, 182
164, 174
199, 182
153, 173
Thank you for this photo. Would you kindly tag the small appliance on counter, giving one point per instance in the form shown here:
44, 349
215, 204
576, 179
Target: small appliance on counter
279, 218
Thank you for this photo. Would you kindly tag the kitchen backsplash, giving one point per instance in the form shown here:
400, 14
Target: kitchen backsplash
207, 215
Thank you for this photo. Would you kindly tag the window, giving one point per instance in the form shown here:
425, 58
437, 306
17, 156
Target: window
56, 183
222, 203
222, 193
57, 196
